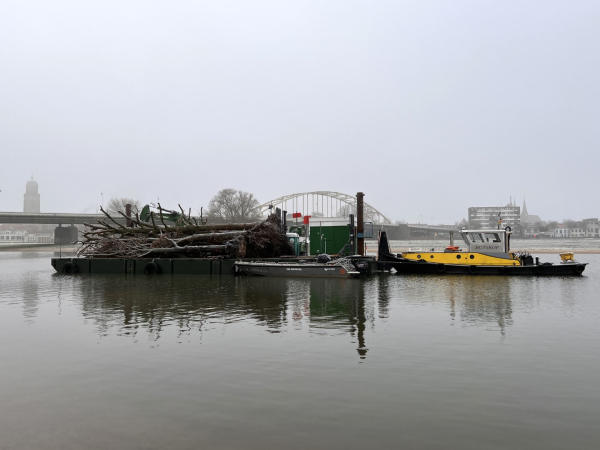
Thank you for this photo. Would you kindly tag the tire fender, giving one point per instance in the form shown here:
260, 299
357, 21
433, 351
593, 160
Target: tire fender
151, 268
69, 268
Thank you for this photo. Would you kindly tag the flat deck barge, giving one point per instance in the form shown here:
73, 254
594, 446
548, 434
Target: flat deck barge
174, 266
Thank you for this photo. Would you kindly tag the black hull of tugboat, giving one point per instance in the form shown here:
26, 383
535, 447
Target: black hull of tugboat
409, 267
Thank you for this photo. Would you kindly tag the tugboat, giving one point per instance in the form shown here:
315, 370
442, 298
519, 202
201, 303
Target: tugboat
486, 252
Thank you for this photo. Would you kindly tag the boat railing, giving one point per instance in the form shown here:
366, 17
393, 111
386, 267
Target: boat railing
346, 263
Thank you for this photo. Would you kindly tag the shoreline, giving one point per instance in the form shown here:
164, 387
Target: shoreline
68, 249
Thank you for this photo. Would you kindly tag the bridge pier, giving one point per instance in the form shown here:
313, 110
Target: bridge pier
65, 235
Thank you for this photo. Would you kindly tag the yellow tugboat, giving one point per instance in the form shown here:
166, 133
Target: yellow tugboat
485, 252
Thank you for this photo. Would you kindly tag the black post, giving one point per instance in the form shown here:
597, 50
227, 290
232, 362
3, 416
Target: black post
128, 214
360, 226
352, 230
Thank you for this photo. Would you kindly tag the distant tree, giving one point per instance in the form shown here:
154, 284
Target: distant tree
317, 214
570, 223
118, 204
233, 206
369, 214
400, 222
345, 211
463, 224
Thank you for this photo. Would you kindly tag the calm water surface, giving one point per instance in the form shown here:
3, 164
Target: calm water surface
111, 362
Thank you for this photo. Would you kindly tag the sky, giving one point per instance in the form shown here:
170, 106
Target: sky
428, 107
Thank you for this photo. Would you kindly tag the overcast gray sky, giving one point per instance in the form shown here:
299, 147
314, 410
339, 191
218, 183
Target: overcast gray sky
428, 107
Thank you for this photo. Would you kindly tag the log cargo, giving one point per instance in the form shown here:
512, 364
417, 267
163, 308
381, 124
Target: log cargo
184, 239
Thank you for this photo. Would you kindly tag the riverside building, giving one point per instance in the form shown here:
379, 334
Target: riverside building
592, 228
12, 236
486, 217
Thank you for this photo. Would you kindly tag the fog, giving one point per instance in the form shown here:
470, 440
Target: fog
428, 107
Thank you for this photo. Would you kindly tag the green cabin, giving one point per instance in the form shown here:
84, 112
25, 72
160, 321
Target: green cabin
328, 234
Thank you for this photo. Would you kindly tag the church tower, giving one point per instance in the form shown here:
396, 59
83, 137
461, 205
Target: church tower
31, 202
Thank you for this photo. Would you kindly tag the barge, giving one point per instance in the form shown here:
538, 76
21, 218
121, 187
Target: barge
189, 266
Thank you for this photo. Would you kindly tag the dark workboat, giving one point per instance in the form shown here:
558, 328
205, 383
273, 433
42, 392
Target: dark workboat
340, 268
486, 252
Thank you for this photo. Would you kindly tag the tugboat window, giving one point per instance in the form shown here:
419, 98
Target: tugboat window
471, 256
477, 238
492, 237
457, 256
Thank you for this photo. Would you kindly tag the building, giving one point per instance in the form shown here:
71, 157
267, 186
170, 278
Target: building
530, 230
578, 231
586, 228
40, 238
487, 217
12, 236
31, 201
592, 228
561, 231
528, 219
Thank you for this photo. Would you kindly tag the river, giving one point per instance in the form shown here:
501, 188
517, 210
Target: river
184, 362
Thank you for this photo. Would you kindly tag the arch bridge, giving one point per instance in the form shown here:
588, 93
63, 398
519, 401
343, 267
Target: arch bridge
325, 203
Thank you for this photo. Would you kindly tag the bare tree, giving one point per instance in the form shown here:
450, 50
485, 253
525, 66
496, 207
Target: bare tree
368, 213
233, 206
345, 210
118, 204
548, 226
570, 223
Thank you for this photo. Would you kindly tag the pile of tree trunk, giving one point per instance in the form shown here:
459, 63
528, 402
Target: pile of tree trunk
185, 239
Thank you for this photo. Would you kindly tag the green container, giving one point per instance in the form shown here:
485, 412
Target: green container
328, 239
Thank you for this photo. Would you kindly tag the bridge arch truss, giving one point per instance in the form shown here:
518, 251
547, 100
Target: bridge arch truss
328, 203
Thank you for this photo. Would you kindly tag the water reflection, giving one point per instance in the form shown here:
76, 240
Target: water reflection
343, 306
194, 303
186, 302
321, 306
482, 299
20, 286
29, 287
